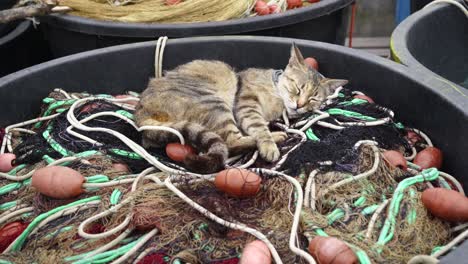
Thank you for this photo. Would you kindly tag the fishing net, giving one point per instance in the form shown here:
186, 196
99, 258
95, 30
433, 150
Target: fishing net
139, 206
157, 11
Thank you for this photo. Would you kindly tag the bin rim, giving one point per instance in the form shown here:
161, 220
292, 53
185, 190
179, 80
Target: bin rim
16, 32
176, 30
401, 54
440, 88
460, 104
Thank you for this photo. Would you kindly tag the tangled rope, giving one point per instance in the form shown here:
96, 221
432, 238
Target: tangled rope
340, 186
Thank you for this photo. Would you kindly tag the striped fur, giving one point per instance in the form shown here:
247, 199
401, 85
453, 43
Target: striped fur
220, 112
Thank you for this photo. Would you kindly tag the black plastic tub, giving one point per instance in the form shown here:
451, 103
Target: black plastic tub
21, 45
325, 21
434, 41
5, 28
416, 102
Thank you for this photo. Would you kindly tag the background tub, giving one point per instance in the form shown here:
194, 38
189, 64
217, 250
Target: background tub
324, 21
21, 45
416, 102
5, 28
435, 42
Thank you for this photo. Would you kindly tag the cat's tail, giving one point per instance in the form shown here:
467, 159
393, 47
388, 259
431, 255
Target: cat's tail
215, 151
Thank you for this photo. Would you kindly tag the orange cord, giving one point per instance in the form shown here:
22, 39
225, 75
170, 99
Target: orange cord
351, 26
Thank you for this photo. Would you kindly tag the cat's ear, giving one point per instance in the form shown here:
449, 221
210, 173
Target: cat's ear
296, 56
333, 84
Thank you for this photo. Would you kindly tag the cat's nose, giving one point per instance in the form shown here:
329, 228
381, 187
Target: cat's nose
300, 104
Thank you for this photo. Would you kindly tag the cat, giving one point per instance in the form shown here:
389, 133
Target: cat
222, 113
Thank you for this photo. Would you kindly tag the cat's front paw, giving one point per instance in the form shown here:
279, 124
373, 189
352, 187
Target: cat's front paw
279, 136
269, 151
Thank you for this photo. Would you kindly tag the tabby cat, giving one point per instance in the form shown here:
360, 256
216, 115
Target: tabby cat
220, 112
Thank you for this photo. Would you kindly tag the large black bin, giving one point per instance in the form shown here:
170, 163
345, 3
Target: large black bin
434, 41
21, 45
5, 28
114, 70
324, 21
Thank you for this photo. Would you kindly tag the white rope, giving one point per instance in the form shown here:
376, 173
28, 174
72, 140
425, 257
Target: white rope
365, 123
334, 95
310, 191
25, 123
14, 208
15, 213
363, 175
314, 120
109, 245
126, 119
237, 226
131, 144
453, 2
113, 209
297, 215
250, 162
67, 96
374, 218
453, 180
461, 237
10, 136
144, 254
413, 154
158, 56
285, 118
424, 136
459, 227
135, 248
57, 215
329, 125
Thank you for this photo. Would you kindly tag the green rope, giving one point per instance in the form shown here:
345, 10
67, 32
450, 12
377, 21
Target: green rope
53, 106
97, 179
360, 254
310, 135
108, 255
135, 94
61, 230
388, 229
54, 144
48, 100
413, 166
125, 113
360, 201
412, 215
335, 215
8, 205
48, 159
115, 196
16, 169
434, 250
336, 111
21, 239
399, 125
128, 154
355, 101
10, 187
370, 209
14, 186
